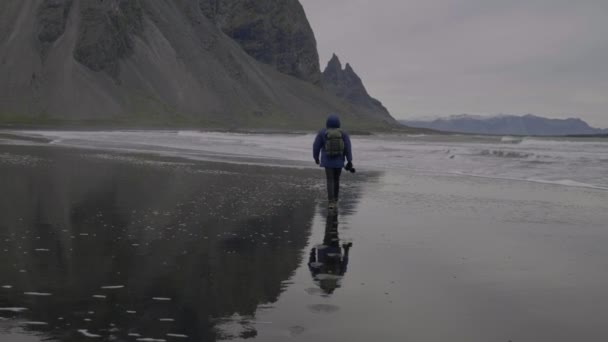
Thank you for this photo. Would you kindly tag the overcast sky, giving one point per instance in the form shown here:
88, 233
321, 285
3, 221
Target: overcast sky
443, 57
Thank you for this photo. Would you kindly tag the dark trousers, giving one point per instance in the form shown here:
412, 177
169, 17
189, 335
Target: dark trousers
333, 183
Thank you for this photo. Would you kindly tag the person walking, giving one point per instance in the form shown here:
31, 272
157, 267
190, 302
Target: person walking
330, 150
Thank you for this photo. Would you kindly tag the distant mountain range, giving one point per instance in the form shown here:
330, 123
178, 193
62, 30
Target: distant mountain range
507, 125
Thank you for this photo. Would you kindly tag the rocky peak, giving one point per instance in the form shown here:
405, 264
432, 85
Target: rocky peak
346, 84
333, 70
349, 69
334, 64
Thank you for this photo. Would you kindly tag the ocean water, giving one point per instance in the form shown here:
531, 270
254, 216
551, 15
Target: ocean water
133, 235
565, 161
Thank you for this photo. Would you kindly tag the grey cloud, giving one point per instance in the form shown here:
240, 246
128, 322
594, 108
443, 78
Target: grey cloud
421, 57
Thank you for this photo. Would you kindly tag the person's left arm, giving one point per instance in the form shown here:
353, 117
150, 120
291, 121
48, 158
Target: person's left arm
316, 147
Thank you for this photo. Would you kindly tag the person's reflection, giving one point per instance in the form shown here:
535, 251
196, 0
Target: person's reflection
328, 261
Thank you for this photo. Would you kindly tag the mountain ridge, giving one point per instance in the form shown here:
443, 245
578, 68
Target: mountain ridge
151, 63
347, 85
505, 124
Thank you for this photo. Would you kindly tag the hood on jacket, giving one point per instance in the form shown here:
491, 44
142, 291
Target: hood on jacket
333, 121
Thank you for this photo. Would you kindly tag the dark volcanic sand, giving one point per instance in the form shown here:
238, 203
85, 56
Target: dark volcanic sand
95, 244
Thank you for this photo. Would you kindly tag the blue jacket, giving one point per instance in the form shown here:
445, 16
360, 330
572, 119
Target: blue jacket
319, 147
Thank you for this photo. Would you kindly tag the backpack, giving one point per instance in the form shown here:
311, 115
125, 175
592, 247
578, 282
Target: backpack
334, 143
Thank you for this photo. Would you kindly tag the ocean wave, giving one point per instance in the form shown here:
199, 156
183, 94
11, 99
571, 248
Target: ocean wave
560, 182
568, 182
506, 154
571, 162
561, 142
511, 140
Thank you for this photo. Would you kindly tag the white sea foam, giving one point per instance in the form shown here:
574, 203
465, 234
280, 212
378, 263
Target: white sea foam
161, 299
511, 140
39, 294
177, 335
568, 182
561, 142
86, 333
13, 309
112, 287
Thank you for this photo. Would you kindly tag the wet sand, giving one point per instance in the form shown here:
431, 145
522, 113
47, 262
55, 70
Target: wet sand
97, 245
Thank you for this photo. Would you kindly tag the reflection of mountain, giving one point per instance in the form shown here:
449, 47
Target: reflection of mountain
218, 243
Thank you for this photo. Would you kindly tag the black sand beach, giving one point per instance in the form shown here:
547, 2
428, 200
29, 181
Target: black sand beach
124, 247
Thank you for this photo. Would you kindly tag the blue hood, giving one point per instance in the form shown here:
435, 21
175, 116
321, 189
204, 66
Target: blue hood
333, 121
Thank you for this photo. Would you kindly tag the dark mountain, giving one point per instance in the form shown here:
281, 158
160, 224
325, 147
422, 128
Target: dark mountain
273, 32
508, 125
346, 84
229, 64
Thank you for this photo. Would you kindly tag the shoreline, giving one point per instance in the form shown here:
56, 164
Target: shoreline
470, 251
245, 130
276, 131
245, 150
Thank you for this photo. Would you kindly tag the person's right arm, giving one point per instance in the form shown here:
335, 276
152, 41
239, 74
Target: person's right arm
316, 147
